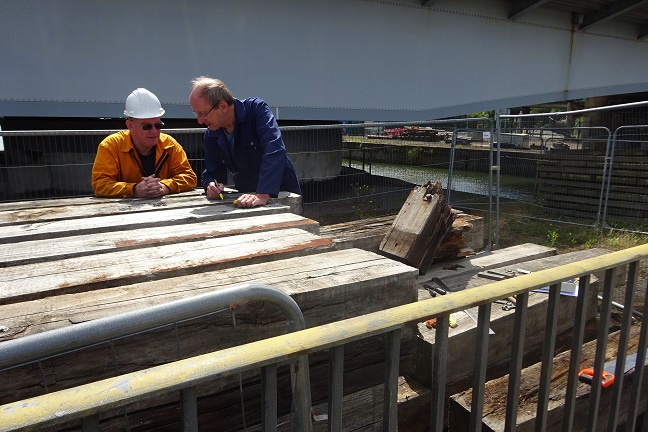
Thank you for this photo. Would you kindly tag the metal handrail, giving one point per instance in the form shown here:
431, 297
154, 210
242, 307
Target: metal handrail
116, 392
28, 349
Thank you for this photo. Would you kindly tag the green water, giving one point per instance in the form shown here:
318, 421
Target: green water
512, 187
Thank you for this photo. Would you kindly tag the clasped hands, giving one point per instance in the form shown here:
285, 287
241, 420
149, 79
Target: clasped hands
150, 187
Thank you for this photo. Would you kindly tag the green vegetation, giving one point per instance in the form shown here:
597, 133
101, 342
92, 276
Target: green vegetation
363, 203
516, 230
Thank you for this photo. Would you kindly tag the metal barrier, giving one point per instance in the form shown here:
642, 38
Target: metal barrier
89, 400
625, 182
554, 166
569, 159
347, 171
38, 347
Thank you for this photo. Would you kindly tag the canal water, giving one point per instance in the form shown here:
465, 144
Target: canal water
511, 187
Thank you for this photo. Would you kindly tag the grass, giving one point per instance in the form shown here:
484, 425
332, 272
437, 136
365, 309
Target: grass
515, 230
564, 237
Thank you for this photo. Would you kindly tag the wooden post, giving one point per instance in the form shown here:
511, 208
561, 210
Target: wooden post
422, 223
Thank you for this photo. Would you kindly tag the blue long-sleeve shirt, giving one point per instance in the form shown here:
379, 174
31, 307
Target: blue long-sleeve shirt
258, 160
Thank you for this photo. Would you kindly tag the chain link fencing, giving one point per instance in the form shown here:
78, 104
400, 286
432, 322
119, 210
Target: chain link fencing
583, 166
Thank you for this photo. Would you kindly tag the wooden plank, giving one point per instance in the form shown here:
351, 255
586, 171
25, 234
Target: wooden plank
327, 287
468, 266
33, 251
70, 208
362, 234
471, 279
310, 279
19, 283
367, 234
419, 227
495, 393
631, 174
84, 200
589, 189
217, 210
67, 208
461, 357
623, 188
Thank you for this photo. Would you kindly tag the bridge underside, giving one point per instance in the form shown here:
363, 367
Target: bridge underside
331, 60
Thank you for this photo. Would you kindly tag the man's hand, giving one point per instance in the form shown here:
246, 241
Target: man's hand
252, 200
215, 190
150, 187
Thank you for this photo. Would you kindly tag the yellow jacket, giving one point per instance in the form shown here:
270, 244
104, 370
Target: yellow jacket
117, 167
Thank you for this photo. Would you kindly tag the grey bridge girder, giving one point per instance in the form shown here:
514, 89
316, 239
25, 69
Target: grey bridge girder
398, 60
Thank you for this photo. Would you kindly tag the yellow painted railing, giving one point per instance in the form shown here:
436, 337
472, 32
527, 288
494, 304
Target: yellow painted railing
88, 400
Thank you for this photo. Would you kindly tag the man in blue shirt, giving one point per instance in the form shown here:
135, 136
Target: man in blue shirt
243, 137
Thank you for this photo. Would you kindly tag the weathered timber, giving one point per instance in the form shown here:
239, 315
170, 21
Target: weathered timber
454, 244
461, 353
456, 273
367, 234
328, 287
215, 211
20, 212
361, 411
31, 281
572, 181
69, 208
495, 394
413, 405
362, 234
328, 276
420, 226
7, 207
33, 251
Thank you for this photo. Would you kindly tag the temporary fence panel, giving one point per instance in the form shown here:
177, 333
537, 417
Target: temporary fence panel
566, 157
626, 197
550, 165
382, 162
347, 171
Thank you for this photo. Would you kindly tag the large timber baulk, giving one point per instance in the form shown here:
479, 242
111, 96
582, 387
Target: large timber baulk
72, 260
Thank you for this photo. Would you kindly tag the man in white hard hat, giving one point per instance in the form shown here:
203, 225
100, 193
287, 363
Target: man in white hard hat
243, 137
141, 162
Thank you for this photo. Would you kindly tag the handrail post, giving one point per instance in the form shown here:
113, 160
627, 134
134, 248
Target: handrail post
390, 399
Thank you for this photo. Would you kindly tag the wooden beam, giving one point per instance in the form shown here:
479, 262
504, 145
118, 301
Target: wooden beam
420, 226
34, 251
495, 392
216, 211
328, 287
31, 281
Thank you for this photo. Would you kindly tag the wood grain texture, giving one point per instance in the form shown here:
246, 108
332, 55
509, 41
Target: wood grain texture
30, 281
33, 251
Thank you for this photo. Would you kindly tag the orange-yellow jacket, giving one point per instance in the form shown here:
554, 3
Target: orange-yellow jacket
117, 167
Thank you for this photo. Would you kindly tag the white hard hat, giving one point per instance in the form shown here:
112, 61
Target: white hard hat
141, 103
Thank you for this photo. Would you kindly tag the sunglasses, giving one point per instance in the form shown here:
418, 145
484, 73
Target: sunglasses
149, 126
